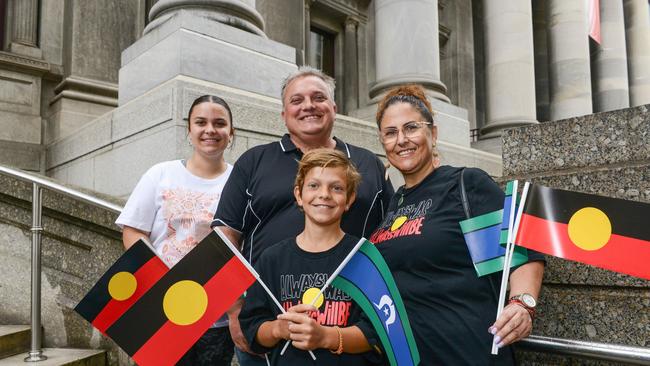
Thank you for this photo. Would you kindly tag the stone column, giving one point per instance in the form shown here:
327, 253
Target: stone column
509, 66
610, 62
637, 34
350, 64
569, 62
407, 46
236, 13
24, 28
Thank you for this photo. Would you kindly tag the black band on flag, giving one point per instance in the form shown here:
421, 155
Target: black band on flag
628, 218
97, 298
146, 316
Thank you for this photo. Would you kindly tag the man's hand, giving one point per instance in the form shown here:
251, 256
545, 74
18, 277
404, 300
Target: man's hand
235, 329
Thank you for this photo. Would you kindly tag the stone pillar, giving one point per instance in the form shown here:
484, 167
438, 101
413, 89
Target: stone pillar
236, 13
569, 60
407, 46
610, 63
351, 61
94, 35
24, 28
509, 66
637, 34
541, 60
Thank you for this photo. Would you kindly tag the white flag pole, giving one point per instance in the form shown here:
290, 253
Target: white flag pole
506, 259
254, 273
329, 281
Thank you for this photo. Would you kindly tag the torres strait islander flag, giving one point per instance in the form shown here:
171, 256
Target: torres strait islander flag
486, 236
601, 231
121, 286
367, 279
168, 319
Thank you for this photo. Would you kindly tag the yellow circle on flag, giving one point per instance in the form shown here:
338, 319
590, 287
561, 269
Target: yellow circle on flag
309, 296
185, 302
398, 223
590, 228
122, 285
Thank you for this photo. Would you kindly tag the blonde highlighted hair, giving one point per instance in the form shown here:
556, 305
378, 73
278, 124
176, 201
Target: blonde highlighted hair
328, 158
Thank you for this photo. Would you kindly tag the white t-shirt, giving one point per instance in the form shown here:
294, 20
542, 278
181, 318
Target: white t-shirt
175, 206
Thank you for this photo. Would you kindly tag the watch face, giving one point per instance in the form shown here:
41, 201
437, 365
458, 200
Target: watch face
529, 300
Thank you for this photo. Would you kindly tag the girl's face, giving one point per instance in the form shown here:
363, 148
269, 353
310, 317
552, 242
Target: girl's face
324, 195
210, 129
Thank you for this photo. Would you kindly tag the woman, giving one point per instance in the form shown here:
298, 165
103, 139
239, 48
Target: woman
172, 207
451, 309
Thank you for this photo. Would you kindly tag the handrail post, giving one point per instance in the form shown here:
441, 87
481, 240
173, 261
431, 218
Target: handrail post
36, 352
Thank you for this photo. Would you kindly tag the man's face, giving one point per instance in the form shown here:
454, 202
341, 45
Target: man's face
308, 108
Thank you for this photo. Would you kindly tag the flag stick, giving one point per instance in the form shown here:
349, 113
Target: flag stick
507, 259
254, 273
329, 281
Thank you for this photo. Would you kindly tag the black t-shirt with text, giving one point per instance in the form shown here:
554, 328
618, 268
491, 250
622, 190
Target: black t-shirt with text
290, 272
450, 308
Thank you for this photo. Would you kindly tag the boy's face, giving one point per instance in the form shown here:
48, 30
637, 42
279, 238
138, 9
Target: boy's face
324, 195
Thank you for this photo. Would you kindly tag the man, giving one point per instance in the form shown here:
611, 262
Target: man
257, 206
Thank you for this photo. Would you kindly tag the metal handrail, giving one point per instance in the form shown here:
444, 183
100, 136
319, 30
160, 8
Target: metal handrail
55, 187
570, 347
38, 184
584, 349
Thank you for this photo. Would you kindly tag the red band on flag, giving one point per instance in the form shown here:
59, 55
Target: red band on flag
171, 341
621, 254
146, 276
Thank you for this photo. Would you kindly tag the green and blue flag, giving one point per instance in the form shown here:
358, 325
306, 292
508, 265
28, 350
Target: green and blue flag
367, 279
486, 236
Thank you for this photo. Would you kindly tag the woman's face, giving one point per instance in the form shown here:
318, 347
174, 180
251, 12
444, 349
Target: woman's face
410, 155
210, 129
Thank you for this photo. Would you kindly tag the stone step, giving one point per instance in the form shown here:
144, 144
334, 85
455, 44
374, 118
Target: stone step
60, 357
14, 339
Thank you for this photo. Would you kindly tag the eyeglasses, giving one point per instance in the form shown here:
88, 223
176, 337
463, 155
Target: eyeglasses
409, 129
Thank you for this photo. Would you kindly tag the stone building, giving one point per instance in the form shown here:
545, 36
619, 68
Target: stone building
92, 93
80, 80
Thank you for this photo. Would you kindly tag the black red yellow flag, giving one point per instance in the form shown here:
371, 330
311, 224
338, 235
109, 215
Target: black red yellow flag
183, 304
121, 286
601, 231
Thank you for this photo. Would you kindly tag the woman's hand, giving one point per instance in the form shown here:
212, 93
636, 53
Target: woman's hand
304, 332
515, 323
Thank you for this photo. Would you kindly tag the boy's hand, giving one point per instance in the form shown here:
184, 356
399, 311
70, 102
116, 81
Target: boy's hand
280, 329
304, 332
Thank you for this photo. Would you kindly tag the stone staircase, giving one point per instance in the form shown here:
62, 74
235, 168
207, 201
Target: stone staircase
14, 345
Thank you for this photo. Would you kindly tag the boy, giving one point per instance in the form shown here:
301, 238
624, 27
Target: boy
296, 268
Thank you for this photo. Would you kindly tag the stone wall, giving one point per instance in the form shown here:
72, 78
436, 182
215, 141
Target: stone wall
79, 243
606, 154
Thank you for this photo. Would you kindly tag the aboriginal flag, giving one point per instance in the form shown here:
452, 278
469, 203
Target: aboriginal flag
183, 304
121, 286
601, 231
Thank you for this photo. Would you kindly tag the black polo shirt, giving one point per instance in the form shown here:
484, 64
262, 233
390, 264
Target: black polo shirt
258, 201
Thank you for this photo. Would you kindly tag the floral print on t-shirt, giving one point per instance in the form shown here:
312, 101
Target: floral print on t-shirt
188, 214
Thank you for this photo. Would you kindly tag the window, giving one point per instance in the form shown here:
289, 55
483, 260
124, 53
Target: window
321, 51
